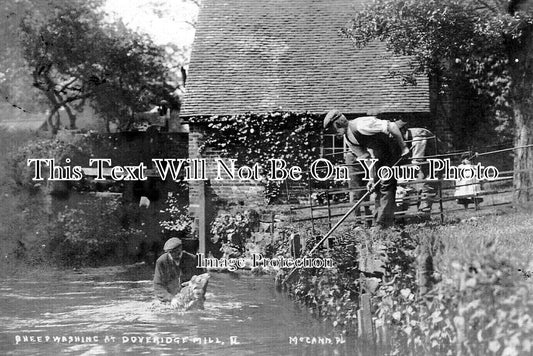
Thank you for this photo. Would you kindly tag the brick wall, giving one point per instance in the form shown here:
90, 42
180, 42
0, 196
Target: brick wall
222, 192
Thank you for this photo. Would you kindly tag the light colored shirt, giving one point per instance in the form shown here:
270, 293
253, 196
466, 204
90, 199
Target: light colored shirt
368, 126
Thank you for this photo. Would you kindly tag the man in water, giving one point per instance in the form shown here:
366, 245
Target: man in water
368, 136
169, 271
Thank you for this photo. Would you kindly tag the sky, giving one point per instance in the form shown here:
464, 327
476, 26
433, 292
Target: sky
166, 21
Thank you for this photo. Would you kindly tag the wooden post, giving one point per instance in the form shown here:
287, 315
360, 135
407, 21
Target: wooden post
202, 217
440, 185
364, 314
365, 319
272, 222
296, 245
440, 202
329, 208
424, 268
311, 205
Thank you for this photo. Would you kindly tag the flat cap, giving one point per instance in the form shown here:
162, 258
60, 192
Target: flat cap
172, 243
332, 116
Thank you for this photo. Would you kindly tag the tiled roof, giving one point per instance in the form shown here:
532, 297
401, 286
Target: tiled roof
262, 55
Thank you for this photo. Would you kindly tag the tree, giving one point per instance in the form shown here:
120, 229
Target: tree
15, 75
489, 43
76, 57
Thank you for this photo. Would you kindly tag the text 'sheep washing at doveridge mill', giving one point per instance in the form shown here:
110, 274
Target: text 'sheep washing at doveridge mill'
275, 169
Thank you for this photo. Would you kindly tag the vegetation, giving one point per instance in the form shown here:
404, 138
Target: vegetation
176, 221
15, 75
256, 138
251, 138
75, 57
16, 223
479, 304
330, 294
67, 55
97, 230
487, 43
94, 233
231, 233
22, 174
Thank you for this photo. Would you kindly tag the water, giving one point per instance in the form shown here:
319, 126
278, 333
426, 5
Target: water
106, 311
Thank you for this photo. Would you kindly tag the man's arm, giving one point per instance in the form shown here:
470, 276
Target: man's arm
188, 267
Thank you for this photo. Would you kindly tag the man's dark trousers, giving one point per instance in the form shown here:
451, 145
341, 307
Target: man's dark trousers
387, 152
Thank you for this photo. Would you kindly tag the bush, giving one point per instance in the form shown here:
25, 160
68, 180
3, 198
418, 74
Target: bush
91, 234
330, 294
481, 309
480, 304
22, 174
176, 221
232, 233
20, 214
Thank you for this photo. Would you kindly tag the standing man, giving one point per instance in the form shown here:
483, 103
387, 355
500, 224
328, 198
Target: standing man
417, 138
368, 137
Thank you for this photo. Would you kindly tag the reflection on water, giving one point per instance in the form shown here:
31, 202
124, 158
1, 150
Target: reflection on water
106, 311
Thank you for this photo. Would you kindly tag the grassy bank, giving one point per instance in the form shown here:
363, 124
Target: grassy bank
478, 300
510, 236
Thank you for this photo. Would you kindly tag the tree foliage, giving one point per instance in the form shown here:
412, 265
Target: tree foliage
75, 56
15, 75
489, 43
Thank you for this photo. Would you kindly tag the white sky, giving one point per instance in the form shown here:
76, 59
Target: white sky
166, 21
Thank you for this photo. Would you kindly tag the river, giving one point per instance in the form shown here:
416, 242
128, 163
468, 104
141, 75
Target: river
106, 311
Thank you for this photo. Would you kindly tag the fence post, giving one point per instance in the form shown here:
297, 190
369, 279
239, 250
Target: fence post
364, 314
311, 204
329, 208
365, 319
272, 225
287, 191
440, 202
296, 245
202, 217
424, 266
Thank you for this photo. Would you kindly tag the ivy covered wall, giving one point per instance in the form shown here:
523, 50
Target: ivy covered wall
253, 139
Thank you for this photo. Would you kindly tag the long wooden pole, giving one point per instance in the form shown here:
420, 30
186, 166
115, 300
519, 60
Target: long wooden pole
341, 220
